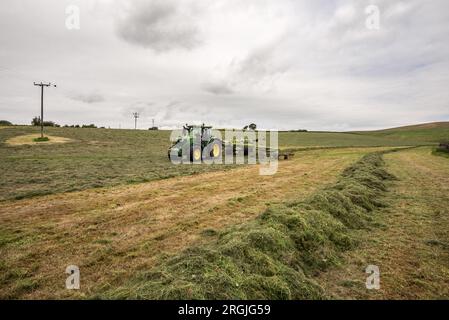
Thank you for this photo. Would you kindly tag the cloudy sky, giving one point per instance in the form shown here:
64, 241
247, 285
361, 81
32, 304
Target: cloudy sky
284, 64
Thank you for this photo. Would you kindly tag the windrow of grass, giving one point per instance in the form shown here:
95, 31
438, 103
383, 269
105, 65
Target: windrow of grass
276, 255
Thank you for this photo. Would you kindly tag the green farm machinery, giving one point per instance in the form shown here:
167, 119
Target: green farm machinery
196, 143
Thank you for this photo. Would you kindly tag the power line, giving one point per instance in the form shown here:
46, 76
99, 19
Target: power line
42, 85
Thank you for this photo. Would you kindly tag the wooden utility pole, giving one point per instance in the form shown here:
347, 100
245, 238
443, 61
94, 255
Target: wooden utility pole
42, 85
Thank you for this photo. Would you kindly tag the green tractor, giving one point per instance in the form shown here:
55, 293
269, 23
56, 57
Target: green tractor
196, 143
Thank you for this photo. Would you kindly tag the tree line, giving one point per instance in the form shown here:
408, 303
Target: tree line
37, 122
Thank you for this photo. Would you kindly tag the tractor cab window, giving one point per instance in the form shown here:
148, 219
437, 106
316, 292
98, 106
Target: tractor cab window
206, 134
197, 133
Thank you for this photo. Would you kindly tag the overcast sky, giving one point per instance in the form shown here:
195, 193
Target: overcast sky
281, 64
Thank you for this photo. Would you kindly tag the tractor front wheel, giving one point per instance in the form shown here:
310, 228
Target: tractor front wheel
195, 154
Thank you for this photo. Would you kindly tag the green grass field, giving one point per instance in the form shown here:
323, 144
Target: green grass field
95, 158
104, 157
344, 201
425, 133
274, 256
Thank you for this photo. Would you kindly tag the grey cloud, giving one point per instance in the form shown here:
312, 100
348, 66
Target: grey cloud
183, 111
263, 61
296, 64
161, 25
145, 109
218, 88
258, 70
87, 98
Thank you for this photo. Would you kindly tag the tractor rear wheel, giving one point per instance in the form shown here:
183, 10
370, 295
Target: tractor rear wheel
215, 150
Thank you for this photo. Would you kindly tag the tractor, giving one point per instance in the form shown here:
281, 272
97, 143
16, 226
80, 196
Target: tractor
196, 143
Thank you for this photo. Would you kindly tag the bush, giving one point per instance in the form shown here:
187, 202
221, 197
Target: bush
37, 122
41, 139
5, 123
441, 150
443, 147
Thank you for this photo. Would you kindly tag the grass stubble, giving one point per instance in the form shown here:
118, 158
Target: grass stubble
411, 246
84, 158
276, 255
112, 233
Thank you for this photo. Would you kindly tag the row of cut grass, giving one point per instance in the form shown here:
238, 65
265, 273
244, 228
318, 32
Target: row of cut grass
276, 255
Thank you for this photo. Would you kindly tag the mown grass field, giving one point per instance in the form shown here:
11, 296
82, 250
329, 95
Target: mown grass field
412, 246
102, 157
140, 227
93, 158
113, 233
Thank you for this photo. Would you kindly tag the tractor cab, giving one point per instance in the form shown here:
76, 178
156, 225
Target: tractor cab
197, 142
202, 133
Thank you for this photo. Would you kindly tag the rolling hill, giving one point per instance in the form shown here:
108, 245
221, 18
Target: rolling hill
432, 132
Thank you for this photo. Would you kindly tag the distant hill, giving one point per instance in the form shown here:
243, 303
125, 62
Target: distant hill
421, 126
425, 132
